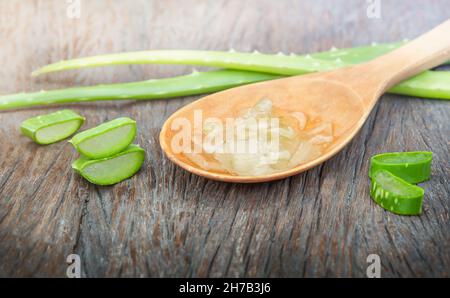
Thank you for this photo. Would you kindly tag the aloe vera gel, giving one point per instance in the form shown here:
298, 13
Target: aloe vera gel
52, 128
106, 139
107, 153
113, 169
395, 194
264, 140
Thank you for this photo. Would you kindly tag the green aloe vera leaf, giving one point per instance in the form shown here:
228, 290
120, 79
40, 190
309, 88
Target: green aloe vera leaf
191, 84
358, 54
431, 84
106, 139
395, 194
53, 127
269, 63
258, 62
413, 167
113, 169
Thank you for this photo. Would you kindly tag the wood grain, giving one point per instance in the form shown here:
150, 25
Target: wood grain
165, 222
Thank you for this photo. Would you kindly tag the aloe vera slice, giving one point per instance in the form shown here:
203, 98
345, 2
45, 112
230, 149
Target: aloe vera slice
395, 194
413, 167
106, 139
113, 169
53, 127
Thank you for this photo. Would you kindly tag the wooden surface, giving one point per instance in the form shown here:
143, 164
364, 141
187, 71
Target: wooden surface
165, 222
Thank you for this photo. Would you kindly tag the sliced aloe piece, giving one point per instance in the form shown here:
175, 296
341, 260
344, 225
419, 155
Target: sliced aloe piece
413, 167
106, 139
113, 169
52, 128
395, 194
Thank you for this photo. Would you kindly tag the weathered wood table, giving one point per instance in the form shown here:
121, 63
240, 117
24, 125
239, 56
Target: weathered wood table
165, 222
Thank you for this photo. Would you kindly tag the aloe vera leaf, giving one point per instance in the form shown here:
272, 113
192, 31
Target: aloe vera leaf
358, 54
413, 167
53, 127
113, 169
106, 139
257, 62
395, 194
191, 84
429, 84
432, 84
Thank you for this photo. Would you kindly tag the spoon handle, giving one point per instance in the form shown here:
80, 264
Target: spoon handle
427, 51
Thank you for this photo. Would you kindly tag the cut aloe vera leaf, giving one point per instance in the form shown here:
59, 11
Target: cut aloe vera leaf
413, 167
191, 84
107, 139
430, 84
395, 194
358, 54
258, 62
53, 127
113, 169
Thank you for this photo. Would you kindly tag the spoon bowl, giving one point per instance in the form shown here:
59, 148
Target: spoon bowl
344, 110
343, 97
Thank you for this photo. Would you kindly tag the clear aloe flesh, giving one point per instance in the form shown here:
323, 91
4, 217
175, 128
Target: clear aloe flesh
248, 68
264, 141
53, 127
396, 195
106, 139
113, 169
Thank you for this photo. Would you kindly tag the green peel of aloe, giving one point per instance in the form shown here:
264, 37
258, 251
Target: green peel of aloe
280, 64
192, 84
257, 62
395, 194
413, 167
53, 127
107, 139
430, 84
113, 169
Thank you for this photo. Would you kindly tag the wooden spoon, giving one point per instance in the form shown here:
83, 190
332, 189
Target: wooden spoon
344, 97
